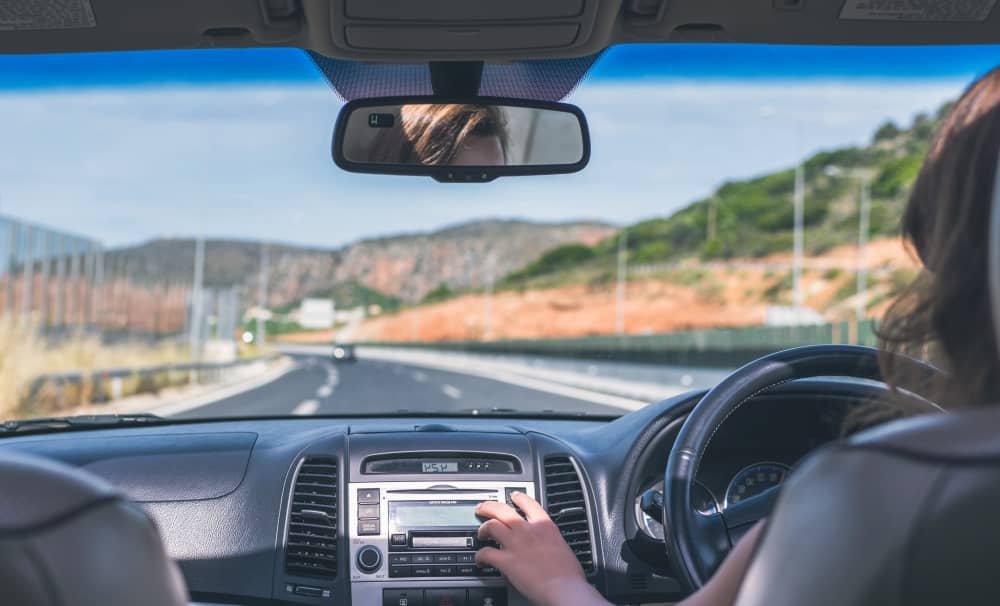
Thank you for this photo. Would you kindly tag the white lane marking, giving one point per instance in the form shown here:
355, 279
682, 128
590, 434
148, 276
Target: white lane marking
324, 391
452, 392
419, 377
506, 376
306, 408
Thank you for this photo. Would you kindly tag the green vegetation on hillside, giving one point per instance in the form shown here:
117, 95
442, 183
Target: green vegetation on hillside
559, 258
440, 293
754, 217
351, 294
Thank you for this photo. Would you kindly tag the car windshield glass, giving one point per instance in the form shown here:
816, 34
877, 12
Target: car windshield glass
175, 238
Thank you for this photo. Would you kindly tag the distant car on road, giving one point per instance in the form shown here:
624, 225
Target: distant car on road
343, 352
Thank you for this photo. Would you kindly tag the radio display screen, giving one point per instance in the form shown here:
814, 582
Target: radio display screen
433, 514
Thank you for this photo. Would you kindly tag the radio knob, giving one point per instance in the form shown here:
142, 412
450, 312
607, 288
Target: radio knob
369, 559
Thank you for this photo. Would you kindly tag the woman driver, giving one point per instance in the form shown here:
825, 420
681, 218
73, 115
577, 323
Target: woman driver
944, 315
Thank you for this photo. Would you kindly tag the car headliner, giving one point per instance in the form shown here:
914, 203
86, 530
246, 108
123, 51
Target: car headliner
498, 31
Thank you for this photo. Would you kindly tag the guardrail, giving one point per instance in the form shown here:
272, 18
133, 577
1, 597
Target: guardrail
718, 347
104, 385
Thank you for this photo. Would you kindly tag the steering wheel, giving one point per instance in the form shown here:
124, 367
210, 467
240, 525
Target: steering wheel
697, 543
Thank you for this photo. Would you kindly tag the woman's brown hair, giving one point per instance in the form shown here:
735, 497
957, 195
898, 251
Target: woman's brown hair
945, 315
433, 134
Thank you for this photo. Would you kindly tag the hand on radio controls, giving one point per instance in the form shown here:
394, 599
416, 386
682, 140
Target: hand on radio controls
533, 555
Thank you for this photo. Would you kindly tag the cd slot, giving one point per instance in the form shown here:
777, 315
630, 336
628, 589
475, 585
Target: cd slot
434, 491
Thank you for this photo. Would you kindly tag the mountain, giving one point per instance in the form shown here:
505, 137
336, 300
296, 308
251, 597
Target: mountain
381, 271
754, 217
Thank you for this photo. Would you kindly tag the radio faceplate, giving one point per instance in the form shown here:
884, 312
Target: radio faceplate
420, 531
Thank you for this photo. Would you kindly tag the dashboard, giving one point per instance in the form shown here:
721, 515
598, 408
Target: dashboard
378, 511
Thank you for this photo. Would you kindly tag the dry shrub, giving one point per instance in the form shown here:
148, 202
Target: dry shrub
25, 356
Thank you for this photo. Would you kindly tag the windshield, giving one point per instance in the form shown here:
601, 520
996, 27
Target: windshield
175, 239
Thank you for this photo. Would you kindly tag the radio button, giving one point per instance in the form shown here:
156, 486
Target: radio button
422, 558
466, 570
368, 511
399, 558
396, 570
444, 571
444, 597
466, 558
368, 496
487, 596
398, 540
421, 571
368, 527
444, 558
489, 571
402, 597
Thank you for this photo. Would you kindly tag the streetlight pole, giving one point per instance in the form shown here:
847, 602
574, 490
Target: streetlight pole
196, 298
861, 303
798, 298
491, 262
622, 279
864, 220
265, 270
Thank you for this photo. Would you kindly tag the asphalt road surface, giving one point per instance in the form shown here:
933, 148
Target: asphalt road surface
317, 386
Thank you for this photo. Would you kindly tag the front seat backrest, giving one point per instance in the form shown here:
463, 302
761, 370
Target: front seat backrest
69, 538
902, 515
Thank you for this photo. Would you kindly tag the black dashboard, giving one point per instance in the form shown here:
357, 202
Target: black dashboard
263, 511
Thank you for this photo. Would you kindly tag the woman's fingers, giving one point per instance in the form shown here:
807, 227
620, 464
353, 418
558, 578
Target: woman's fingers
531, 508
499, 511
494, 530
491, 556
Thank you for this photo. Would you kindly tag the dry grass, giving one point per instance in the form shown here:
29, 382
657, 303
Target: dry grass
24, 356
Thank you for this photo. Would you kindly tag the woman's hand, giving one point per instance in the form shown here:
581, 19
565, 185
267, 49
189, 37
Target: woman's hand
533, 555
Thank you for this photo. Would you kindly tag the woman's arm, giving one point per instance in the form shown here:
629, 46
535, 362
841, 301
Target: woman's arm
540, 565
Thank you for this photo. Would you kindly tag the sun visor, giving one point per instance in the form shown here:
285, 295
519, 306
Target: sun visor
543, 80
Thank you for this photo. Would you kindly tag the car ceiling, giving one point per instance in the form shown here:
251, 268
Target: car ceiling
409, 31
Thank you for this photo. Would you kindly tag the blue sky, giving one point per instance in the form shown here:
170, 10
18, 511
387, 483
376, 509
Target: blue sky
126, 147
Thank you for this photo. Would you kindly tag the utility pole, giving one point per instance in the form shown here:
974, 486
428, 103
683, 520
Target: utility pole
864, 213
8, 307
60, 306
265, 270
797, 295
98, 284
491, 263
622, 279
196, 298
712, 211
43, 300
73, 314
29, 270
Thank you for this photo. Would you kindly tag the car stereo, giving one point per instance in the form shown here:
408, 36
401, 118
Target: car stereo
408, 533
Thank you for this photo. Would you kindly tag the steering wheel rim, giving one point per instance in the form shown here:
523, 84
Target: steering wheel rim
697, 543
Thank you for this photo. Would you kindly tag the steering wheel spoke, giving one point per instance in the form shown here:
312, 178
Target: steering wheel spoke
741, 516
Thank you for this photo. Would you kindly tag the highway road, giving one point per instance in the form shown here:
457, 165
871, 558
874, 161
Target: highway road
317, 386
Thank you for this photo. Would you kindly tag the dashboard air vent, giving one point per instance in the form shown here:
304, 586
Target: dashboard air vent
566, 504
312, 526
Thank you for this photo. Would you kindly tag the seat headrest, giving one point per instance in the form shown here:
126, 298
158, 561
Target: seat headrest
67, 537
41, 492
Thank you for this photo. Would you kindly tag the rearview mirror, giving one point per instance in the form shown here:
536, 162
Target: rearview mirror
460, 140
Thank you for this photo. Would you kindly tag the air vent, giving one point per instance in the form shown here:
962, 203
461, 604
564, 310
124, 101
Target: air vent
638, 581
566, 504
312, 526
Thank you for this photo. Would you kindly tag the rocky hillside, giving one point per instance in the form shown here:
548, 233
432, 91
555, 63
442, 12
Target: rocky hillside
753, 218
399, 268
